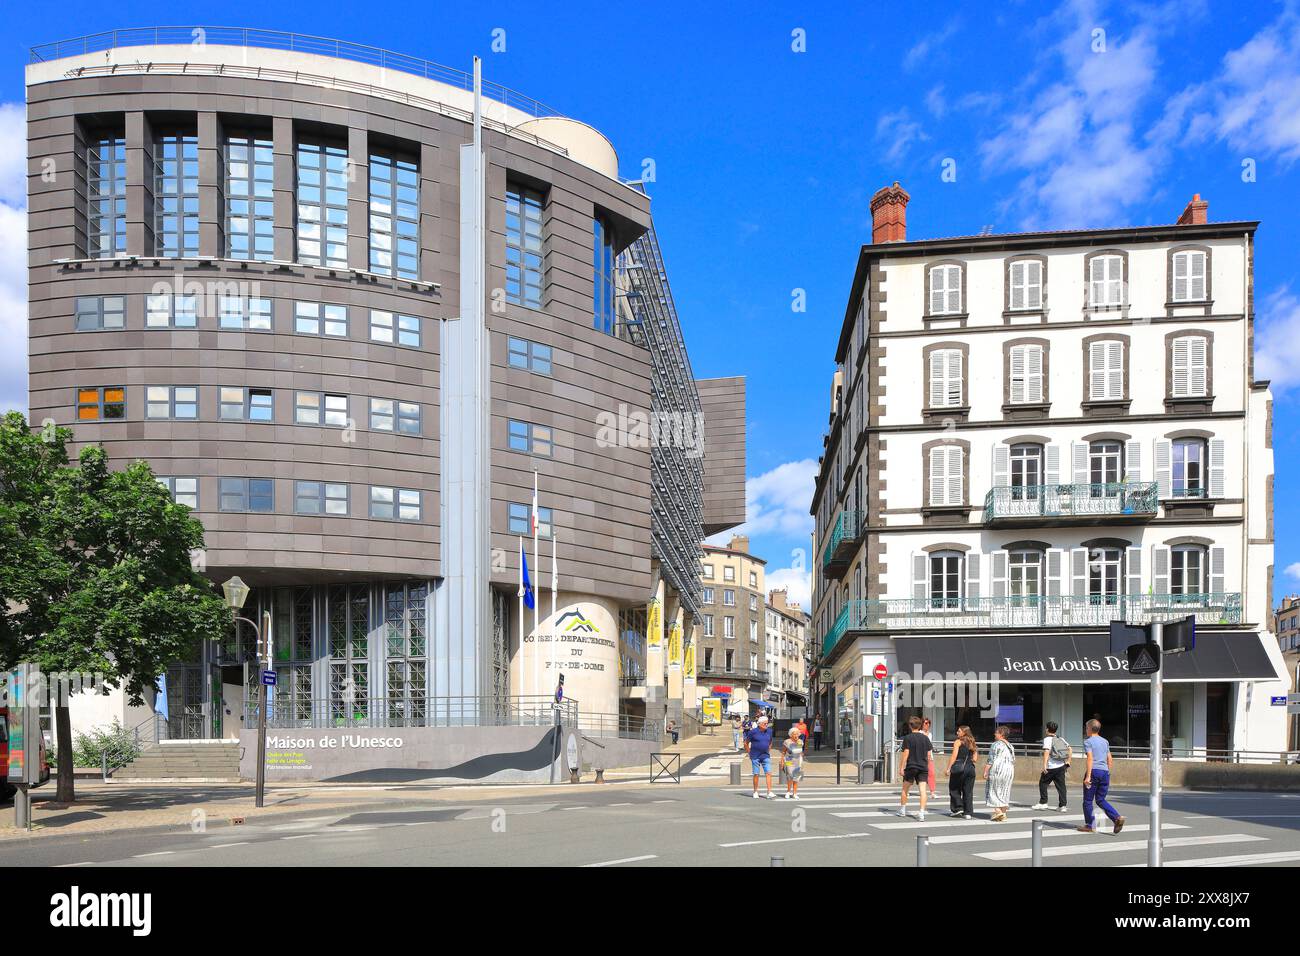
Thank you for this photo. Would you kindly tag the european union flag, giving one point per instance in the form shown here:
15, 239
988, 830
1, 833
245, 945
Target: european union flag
527, 585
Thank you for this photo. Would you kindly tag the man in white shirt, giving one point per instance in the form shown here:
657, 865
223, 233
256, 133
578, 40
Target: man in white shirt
1056, 761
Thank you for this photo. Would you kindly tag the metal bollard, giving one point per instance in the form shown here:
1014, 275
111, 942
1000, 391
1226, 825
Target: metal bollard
922, 850
1036, 844
600, 775
778, 861
573, 776
837, 766
735, 774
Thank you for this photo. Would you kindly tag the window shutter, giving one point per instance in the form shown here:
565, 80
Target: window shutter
1001, 466
954, 288
1097, 369
1196, 276
1180, 276
1033, 372
938, 370
1115, 370
1018, 281
1115, 280
1033, 285
1181, 370
999, 573
938, 475
1196, 367
1159, 569
1079, 572
938, 277
1052, 468
973, 574
1097, 281
953, 382
1018, 374
1133, 565
1164, 468
920, 584
1080, 454
1215, 470
1216, 570
956, 495
1132, 461
1055, 571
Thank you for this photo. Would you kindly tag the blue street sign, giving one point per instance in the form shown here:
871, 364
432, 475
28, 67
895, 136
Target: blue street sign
1278, 701
268, 678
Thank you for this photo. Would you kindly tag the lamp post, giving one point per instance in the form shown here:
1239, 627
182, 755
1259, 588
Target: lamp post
236, 592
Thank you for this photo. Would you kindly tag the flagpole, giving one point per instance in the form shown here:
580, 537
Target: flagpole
537, 604
555, 580
521, 610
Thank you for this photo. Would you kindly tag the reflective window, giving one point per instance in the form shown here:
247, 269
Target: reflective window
252, 315
524, 246
533, 356
320, 498
529, 438
519, 524
171, 312
394, 216
96, 312
402, 329
184, 491
315, 318
247, 494
176, 195
98, 404
1189, 468
250, 198
106, 197
401, 504
322, 204
171, 401
602, 267
246, 404
320, 408
1187, 570
387, 415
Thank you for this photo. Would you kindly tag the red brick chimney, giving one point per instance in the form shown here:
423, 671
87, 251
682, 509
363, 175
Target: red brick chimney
889, 214
1195, 213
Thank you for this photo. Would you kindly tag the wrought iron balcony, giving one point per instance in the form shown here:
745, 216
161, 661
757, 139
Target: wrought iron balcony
896, 614
1127, 501
843, 542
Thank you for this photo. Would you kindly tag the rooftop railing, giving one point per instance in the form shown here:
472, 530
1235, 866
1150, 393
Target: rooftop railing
292, 42
1030, 611
1138, 499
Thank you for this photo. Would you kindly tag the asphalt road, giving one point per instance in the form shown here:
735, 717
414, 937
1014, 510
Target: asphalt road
670, 825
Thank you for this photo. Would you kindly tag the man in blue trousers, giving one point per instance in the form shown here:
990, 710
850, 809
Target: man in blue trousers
1096, 779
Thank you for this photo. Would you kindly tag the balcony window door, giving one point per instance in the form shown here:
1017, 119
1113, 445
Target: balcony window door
1025, 577
1105, 571
1026, 472
945, 579
1105, 467
1187, 580
1189, 468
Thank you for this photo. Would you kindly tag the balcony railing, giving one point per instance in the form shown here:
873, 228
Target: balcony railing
894, 614
839, 548
1137, 499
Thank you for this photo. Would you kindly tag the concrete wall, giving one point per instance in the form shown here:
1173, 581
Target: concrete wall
1177, 773
607, 753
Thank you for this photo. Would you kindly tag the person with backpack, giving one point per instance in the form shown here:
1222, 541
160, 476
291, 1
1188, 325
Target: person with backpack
1056, 763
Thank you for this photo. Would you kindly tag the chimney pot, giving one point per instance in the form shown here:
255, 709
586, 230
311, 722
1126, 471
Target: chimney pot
889, 214
1195, 213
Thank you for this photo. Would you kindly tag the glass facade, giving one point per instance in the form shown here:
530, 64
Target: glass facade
322, 217
524, 278
106, 199
176, 195
602, 270
250, 202
394, 216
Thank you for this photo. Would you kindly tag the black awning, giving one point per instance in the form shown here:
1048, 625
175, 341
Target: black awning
1078, 658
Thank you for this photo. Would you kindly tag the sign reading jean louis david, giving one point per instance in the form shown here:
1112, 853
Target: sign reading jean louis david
584, 638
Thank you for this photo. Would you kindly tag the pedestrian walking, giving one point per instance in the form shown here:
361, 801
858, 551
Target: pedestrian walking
1056, 764
925, 729
736, 729
758, 744
1096, 779
1000, 773
803, 730
792, 761
961, 774
915, 765
817, 732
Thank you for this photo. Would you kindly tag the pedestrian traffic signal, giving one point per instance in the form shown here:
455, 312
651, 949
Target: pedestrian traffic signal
1144, 658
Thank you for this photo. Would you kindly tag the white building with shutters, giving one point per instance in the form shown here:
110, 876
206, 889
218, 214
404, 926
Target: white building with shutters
1034, 435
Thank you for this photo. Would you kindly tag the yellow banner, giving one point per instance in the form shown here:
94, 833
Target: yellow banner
688, 669
711, 711
654, 636
675, 645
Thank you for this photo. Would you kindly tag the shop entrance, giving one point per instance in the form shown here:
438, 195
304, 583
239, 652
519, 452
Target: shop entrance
1124, 712
1218, 720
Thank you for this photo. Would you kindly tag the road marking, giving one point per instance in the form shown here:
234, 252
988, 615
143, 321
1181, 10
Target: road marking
618, 804
574, 808
141, 856
909, 824
663, 801
1109, 847
829, 836
1247, 816
1242, 859
222, 846
86, 863
299, 836
629, 859
1047, 832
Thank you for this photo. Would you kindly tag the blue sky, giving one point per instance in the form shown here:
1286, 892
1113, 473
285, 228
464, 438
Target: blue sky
765, 156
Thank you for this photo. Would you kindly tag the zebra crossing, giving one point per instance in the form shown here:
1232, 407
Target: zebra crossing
874, 810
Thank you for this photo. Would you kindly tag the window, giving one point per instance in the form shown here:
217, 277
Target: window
387, 415
753, 630
1106, 370
1026, 374
945, 579
1025, 574
98, 404
97, 312
394, 216
401, 504
1026, 285
347, 611
406, 639
315, 318
708, 651
533, 356
531, 439
1188, 378
247, 494
753, 579
945, 378
320, 408
945, 290
320, 498
1189, 276
519, 524
946, 478
1104, 567
728, 574
1105, 281
753, 602
708, 632
106, 197
602, 268
244, 313
184, 491
753, 663
708, 572
176, 195
729, 658
171, 312
1026, 461
383, 325
250, 198
246, 404
1187, 571
171, 401
729, 627
708, 596
524, 246
322, 204
1189, 468
729, 597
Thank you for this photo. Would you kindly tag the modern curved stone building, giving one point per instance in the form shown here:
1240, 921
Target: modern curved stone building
280, 270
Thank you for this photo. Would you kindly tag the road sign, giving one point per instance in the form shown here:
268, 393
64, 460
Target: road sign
1278, 701
268, 678
1180, 636
880, 672
1144, 658
1123, 636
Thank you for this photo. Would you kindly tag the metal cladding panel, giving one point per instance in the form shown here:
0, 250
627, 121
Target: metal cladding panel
722, 402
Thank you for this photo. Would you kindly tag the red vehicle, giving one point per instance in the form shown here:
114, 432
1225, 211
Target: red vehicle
7, 789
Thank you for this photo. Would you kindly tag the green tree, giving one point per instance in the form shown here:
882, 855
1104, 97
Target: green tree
105, 576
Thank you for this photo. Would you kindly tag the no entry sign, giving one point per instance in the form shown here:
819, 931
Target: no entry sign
881, 672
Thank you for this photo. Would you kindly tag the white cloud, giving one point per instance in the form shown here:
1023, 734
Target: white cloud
13, 257
1276, 337
925, 50
899, 131
797, 583
1293, 571
777, 502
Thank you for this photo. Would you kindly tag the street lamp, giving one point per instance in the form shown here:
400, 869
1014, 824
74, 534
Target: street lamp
236, 592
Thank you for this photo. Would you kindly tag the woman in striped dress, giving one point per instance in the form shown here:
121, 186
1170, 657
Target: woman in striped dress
1000, 772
